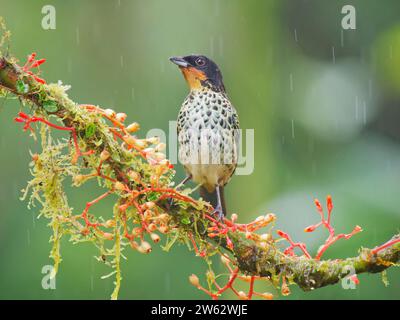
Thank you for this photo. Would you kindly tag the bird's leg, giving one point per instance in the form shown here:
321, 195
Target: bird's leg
218, 211
182, 183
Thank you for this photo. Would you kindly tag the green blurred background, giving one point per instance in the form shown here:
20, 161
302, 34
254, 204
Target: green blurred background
324, 103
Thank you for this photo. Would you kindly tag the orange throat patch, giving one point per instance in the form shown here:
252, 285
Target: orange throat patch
193, 77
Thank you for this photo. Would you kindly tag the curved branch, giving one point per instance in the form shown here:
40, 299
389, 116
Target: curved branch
253, 258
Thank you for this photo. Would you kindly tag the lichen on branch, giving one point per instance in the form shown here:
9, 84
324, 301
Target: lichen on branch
98, 145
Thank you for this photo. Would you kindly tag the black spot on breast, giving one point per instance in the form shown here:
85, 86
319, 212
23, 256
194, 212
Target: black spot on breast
215, 108
219, 101
208, 113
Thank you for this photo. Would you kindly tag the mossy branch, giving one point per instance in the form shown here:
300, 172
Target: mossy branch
142, 184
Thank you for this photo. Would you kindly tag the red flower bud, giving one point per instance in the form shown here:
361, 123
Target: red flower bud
31, 57
23, 115
355, 279
194, 280
282, 234
242, 295
42, 81
229, 243
155, 237
329, 203
318, 205
312, 227
266, 296
38, 63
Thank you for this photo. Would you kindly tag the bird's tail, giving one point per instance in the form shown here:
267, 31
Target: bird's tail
212, 197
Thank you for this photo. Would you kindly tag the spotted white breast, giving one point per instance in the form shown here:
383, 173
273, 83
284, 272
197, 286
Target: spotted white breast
208, 137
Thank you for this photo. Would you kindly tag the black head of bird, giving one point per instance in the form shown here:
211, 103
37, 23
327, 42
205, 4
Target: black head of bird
199, 72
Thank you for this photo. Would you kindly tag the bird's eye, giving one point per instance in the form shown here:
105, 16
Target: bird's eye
200, 61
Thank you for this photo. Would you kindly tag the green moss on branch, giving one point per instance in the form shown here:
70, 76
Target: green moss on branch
253, 258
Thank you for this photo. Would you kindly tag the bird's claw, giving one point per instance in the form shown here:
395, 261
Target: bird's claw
170, 202
219, 213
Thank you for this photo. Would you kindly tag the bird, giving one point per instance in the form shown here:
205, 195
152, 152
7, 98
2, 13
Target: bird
207, 130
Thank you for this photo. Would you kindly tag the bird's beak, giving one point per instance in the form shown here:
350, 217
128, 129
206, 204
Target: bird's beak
179, 61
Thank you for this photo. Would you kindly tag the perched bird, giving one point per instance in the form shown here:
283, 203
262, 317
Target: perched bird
208, 130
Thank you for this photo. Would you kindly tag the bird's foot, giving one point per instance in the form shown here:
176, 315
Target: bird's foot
181, 184
219, 214
170, 203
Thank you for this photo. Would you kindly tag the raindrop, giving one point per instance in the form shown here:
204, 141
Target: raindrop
121, 60
311, 145
28, 237
389, 165
375, 238
333, 55
295, 35
314, 167
370, 88
342, 38
96, 31
217, 8
168, 283
91, 276
69, 65
91, 283
291, 82
133, 94
221, 46
293, 129
356, 108
212, 46
16, 191
365, 112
